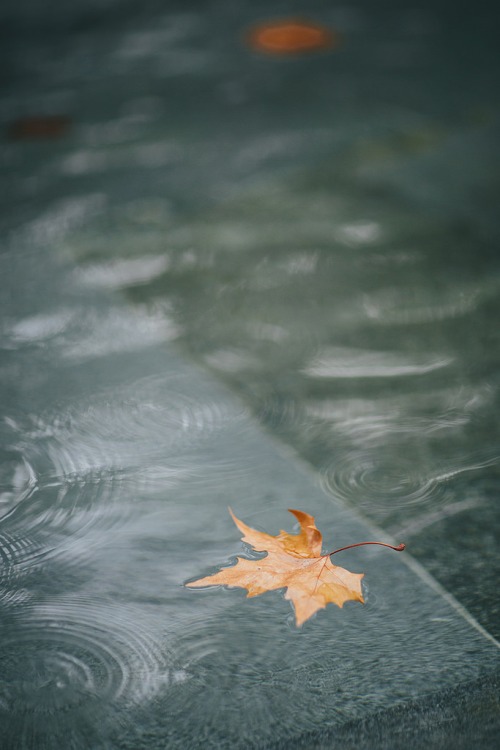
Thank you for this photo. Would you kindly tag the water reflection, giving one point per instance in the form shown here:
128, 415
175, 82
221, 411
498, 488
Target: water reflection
342, 362
126, 272
413, 306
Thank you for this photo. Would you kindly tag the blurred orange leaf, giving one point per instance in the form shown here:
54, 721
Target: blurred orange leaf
290, 36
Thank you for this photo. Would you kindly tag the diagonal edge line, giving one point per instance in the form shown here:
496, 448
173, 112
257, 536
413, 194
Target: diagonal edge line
423, 574
288, 452
427, 578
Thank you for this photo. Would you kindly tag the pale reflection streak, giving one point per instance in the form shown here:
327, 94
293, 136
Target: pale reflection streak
120, 273
357, 234
268, 332
232, 360
419, 306
80, 335
42, 326
346, 362
118, 330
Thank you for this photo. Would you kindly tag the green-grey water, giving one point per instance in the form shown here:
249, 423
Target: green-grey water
263, 282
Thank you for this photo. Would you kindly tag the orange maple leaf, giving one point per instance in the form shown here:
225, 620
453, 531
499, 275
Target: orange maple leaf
294, 562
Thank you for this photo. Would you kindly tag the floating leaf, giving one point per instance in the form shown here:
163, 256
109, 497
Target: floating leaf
294, 562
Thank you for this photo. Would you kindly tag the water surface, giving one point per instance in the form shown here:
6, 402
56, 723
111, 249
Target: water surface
261, 283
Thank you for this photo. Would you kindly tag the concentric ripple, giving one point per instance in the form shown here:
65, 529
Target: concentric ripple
74, 654
61, 516
18, 551
74, 472
18, 546
389, 482
17, 480
362, 476
132, 423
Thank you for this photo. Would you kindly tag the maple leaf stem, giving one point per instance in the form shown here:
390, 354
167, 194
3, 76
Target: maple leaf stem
399, 548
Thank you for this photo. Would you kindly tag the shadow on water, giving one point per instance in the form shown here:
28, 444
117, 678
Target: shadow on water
239, 279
